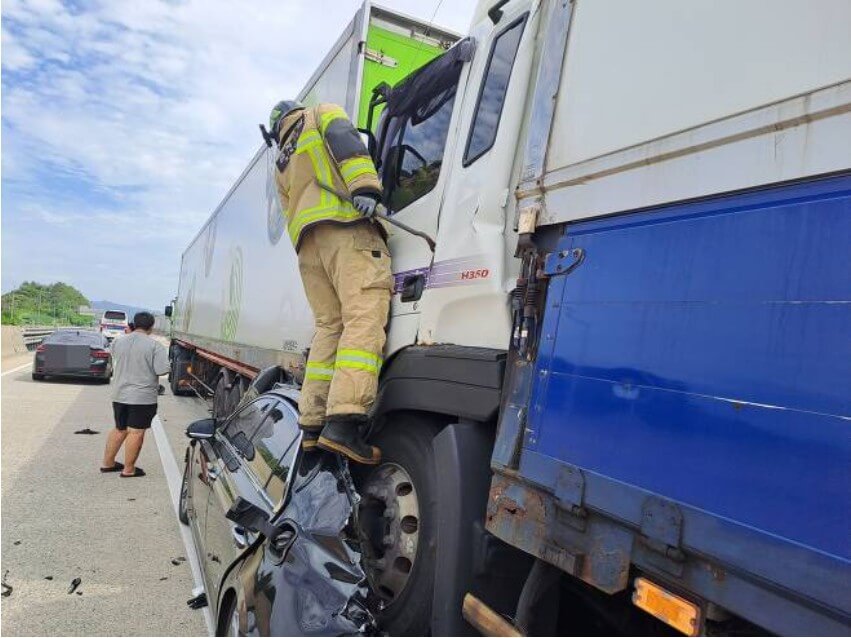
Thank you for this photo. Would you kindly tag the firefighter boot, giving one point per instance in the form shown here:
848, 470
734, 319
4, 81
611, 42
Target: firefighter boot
341, 434
309, 438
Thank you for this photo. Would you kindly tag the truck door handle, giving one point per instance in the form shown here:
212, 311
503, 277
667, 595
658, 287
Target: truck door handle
412, 287
239, 538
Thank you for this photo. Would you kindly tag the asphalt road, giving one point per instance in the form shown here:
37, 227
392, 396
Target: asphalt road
62, 519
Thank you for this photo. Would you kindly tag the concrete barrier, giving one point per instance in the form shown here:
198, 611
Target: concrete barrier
12, 341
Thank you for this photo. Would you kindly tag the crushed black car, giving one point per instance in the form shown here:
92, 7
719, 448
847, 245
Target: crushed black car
73, 353
275, 527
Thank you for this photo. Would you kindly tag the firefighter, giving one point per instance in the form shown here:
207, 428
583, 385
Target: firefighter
345, 269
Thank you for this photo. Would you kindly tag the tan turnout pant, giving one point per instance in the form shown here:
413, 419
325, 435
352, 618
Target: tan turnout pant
345, 269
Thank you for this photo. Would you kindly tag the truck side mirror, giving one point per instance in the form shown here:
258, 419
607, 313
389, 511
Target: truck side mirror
168, 310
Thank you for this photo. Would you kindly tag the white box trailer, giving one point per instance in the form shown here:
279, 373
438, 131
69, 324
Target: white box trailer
240, 304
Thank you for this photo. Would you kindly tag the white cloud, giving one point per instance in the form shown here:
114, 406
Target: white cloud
136, 117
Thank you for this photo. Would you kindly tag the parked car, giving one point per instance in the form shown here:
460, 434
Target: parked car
273, 525
114, 323
73, 353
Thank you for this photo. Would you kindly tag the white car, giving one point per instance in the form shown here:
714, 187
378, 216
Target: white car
113, 324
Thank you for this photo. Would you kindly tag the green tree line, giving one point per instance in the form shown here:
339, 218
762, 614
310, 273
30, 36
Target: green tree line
44, 304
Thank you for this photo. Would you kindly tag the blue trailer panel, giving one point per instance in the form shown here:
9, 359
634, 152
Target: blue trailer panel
701, 355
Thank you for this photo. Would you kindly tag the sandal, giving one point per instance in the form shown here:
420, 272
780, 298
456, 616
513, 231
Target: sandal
115, 468
139, 472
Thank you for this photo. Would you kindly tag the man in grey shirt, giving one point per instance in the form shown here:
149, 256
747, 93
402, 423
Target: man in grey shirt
137, 363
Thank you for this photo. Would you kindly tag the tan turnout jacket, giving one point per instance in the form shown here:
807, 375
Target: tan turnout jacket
321, 143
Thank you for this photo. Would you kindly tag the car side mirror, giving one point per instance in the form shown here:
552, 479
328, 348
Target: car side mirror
201, 429
251, 517
168, 310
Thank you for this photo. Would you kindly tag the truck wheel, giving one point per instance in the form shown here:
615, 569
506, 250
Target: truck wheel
173, 377
38, 377
398, 516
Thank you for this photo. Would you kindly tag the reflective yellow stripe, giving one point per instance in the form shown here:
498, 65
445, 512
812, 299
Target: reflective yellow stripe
326, 118
317, 213
359, 360
308, 139
320, 370
353, 168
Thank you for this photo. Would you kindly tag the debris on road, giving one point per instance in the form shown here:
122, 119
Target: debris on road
48, 578
198, 602
79, 592
74, 584
86, 431
16, 543
7, 589
178, 560
164, 578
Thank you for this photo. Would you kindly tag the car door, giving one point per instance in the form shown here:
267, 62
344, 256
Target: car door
262, 440
224, 479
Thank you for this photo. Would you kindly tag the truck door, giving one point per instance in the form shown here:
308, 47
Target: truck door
474, 263
415, 134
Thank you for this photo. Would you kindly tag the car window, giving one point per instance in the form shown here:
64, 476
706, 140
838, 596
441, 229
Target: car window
413, 160
115, 315
275, 443
492, 94
242, 425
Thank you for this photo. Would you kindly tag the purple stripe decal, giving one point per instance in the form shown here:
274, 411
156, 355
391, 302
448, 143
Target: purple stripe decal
450, 273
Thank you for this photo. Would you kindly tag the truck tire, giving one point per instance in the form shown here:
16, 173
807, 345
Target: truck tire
399, 503
173, 376
38, 377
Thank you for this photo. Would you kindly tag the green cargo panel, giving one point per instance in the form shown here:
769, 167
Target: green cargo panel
402, 55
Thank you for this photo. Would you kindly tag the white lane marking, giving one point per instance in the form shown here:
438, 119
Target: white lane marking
174, 477
26, 365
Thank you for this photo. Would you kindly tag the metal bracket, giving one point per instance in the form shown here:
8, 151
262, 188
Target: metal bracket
563, 262
569, 492
661, 531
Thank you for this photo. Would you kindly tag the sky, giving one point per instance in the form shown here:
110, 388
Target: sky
124, 123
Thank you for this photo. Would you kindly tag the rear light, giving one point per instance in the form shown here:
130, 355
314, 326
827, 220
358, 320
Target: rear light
100, 354
41, 348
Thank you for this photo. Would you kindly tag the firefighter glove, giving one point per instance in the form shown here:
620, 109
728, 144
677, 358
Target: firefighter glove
365, 204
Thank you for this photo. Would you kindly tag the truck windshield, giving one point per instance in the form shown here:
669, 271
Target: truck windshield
115, 315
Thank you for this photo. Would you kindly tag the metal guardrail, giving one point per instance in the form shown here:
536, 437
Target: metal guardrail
34, 336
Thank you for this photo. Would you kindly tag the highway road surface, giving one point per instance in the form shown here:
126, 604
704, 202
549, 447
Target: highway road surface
63, 520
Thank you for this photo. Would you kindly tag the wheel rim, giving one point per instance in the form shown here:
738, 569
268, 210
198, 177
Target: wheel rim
390, 519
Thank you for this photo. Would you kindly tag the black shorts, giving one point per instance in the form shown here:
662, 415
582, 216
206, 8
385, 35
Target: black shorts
138, 417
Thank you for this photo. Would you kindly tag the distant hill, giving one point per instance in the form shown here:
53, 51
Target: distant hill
33, 303
111, 305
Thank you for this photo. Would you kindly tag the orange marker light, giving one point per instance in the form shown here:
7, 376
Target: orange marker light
677, 612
